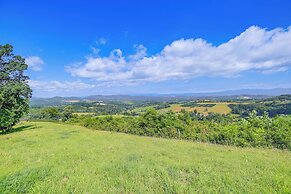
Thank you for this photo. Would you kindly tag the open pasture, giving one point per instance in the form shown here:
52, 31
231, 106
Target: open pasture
43, 157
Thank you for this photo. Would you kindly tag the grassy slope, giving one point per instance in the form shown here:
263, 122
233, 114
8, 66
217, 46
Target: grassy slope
57, 158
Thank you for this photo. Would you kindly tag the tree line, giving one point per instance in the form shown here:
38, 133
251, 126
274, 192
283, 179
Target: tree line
273, 108
252, 131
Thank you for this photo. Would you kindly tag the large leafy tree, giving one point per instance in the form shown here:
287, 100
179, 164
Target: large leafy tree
67, 113
14, 89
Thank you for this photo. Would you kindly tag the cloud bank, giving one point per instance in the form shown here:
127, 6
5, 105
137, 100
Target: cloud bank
49, 86
256, 49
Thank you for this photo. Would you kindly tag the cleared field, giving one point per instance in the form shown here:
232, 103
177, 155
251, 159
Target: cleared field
46, 157
221, 108
88, 113
142, 109
84, 113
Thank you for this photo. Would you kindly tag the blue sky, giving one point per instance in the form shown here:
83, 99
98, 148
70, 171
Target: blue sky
78, 48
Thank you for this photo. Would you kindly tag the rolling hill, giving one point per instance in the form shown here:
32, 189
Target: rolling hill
223, 95
44, 157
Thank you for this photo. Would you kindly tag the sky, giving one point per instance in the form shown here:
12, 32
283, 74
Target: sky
80, 48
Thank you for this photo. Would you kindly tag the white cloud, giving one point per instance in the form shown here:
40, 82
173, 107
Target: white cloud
101, 41
95, 50
35, 63
141, 52
257, 49
60, 86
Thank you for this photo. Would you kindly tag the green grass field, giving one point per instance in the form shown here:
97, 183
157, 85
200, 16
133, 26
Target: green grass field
221, 108
45, 157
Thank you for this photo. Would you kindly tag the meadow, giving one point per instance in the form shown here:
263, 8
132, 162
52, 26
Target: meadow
220, 108
47, 157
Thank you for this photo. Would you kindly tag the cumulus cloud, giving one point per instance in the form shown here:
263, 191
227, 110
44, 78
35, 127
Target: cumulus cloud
141, 52
56, 85
35, 63
256, 49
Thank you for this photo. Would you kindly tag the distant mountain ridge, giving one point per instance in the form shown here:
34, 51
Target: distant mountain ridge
264, 92
229, 94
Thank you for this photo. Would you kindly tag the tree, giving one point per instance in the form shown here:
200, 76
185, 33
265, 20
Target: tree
14, 89
67, 113
50, 113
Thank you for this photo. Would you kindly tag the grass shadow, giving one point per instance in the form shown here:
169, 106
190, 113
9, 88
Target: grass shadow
19, 129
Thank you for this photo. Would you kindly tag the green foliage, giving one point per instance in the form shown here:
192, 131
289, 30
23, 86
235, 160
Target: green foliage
14, 89
272, 107
162, 106
50, 113
67, 113
253, 131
